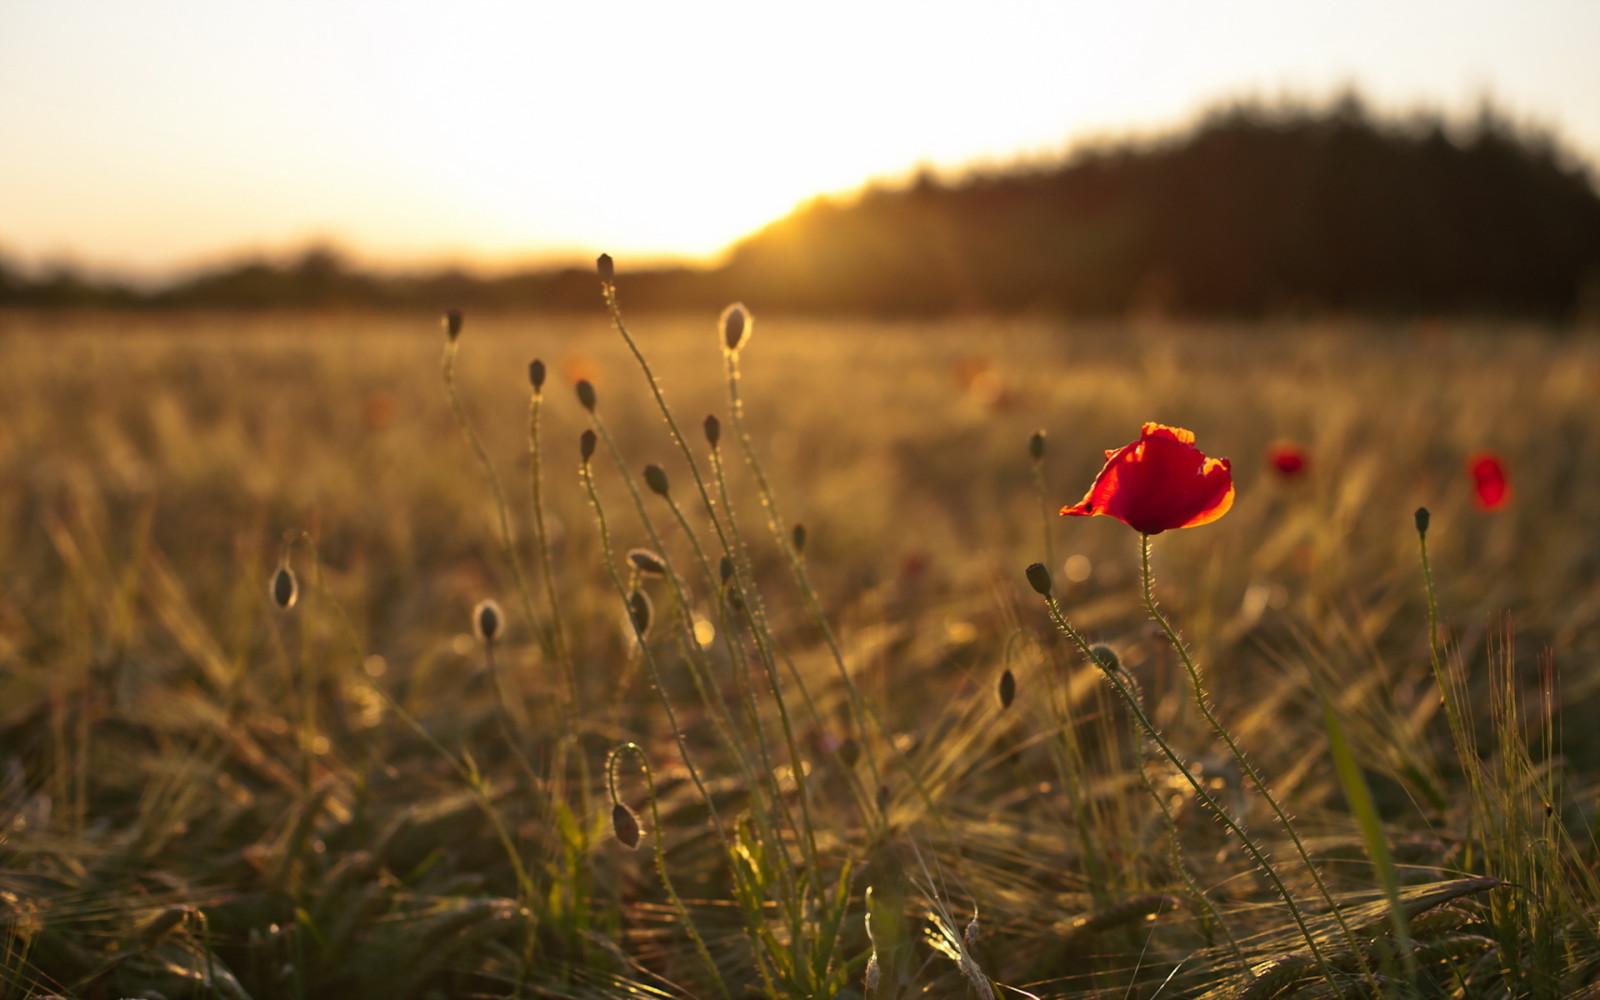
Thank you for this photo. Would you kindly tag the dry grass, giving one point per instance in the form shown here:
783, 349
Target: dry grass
202, 795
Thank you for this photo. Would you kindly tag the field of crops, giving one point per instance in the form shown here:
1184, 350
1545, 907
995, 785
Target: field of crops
786, 716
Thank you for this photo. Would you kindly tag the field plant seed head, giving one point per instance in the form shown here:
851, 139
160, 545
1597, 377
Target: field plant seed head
1159, 482
1036, 446
713, 428
1422, 517
606, 269
736, 324
1106, 657
536, 375
487, 621
1039, 578
797, 535
625, 826
586, 442
655, 477
285, 588
586, 396
647, 563
640, 611
453, 319
1008, 688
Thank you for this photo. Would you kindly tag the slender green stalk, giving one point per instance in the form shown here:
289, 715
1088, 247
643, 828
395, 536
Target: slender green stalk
507, 546
1201, 792
661, 857
1174, 842
563, 651
1249, 769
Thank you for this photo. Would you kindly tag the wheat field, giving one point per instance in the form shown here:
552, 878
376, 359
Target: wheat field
697, 769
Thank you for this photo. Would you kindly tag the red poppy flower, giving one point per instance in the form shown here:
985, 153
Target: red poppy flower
1288, 460
1158, 482
1489, 482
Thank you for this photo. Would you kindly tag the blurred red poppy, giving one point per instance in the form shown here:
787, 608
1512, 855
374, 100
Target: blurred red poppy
1158, 482
1288, 460
1491, 488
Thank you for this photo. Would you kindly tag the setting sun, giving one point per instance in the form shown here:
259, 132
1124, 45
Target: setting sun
147, 137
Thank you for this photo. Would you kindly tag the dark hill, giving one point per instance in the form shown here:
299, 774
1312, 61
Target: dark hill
1254, 210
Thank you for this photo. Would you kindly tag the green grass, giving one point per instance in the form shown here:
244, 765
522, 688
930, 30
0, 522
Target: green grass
202, 794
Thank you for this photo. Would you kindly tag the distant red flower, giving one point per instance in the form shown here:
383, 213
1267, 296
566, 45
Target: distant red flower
1490, 486
1158, 482
1289, 460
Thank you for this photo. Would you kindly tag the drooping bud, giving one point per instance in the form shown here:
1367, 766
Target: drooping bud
713, 430
1008, 688
1106, 657
608, 270
971, 934
452, 323
586, 443
655, 477
487, 620
639, 611
797, 535
1036, 445
647, 562
586, 396
1422, 517
1039, 578
736, 324
285, 589
725, 568
536, 375
625, 826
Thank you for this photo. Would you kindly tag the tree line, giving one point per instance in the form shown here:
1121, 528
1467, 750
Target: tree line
1251, 210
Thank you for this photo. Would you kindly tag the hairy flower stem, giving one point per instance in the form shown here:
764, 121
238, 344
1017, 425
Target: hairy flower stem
1201, 792
1249, 769
541, 538
661, 857
746, 584
507, 547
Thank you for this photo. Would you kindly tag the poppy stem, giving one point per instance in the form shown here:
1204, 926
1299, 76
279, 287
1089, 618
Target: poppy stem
1260, 784
1114, 675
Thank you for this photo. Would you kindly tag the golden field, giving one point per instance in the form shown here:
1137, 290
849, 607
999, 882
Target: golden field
202, 794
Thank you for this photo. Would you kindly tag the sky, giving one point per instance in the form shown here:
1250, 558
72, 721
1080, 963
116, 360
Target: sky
144, 138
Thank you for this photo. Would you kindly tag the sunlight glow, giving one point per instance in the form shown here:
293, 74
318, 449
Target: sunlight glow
157, 135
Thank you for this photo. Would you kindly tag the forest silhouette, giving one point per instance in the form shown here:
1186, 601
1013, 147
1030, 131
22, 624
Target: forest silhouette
1251, 210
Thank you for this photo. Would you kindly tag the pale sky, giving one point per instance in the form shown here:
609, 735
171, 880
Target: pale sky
141, 137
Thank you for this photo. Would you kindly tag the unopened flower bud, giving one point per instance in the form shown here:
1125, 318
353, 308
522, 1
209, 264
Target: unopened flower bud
1008, 688
1106, 657
736, 324
536, 374
1422, 516
487, 620
586, 397
608, 270
713, 429
1036, 445
725, 568
647, 562
655, 477
1039, 578
586, 442
797, 535
452, 323
285, 589
624, 824
639, 611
